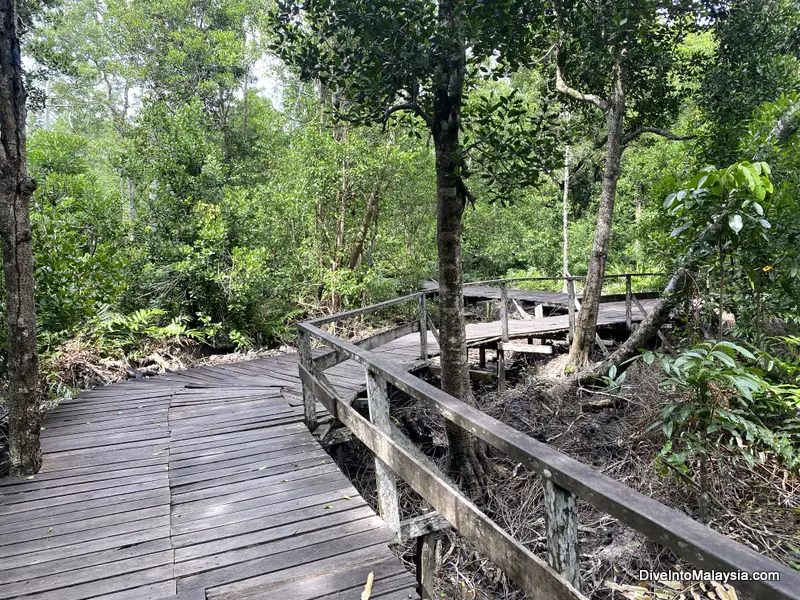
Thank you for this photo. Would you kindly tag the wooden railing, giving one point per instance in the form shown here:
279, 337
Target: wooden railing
563, 478
572, 301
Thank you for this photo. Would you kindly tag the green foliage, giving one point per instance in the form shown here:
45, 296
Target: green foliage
734, 195
178, 173
755, 61
130, 334
78, 235
645, 37
719, 400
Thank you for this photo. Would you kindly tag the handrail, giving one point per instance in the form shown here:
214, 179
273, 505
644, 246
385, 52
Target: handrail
564, 478
560, 278
365, 309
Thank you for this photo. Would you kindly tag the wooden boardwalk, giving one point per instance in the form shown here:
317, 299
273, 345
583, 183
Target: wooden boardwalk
611, 313
199, 484
206, 484
487, 292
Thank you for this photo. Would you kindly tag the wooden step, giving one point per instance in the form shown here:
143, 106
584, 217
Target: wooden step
528, 348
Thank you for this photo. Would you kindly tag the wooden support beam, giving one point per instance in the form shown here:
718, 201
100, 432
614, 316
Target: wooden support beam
423, 328
528, 348
628, 296
474, 374
501, 368
378, 400
538, 311
504, 310
335, 434
522, 313
426, 563
561, 521
422, 525
482, 357
309, 401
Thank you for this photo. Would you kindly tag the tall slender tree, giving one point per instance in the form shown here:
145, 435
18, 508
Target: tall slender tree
617, 58
15, 232
387, 56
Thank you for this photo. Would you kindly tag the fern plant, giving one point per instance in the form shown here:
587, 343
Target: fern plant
127, 333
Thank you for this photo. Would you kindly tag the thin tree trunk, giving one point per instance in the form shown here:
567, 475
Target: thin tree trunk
721, 292
450, 203
586, 326
565, 218
245, 104
16, 189
759, 312
704, 483
370, 215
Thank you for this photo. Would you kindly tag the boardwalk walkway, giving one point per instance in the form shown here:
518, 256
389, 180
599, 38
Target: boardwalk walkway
199, 484
205, 484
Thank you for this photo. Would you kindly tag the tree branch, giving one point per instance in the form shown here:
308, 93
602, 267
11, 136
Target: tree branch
561, 84
658, 131
410, 106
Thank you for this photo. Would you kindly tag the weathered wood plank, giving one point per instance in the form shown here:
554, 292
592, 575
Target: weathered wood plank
528, 348
388, 501
422, 525
561, 521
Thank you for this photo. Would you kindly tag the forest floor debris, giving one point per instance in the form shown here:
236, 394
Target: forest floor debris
75, 365
758, 506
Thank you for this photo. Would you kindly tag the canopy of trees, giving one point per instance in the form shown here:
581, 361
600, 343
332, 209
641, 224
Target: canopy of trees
220, 169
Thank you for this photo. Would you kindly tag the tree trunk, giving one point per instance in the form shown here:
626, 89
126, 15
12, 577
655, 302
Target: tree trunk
450, 203
721, 292
370, 216
16, 189
648, 328
565, 218
586, 327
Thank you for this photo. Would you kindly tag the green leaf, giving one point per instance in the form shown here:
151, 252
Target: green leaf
736, 348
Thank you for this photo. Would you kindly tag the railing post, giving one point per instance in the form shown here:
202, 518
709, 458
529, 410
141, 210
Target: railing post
426, 560
501, 367
571, 306
423, 328
378, 402
309, 401
628, 302
561, 521
504, 310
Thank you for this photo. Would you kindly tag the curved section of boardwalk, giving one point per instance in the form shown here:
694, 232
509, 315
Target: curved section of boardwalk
206, 484
202, 484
